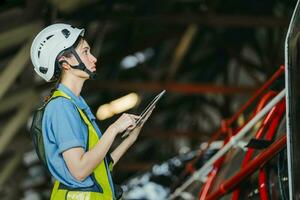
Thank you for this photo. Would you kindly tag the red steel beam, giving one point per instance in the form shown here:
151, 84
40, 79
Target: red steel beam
187, 88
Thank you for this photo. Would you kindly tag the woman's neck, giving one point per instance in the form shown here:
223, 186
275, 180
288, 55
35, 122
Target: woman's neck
74, 84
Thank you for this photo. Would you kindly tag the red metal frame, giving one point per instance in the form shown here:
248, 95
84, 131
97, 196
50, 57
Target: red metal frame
253, 165
225, 125
263, 190
271, 120
210, 179
269, 126
212, 176
258, 135
262, 179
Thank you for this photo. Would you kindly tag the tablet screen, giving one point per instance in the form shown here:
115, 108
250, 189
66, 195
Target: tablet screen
146, 110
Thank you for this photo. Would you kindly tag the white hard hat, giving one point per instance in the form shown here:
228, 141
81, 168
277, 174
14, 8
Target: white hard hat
48, 44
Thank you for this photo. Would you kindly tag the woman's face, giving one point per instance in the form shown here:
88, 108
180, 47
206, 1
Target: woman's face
83, 51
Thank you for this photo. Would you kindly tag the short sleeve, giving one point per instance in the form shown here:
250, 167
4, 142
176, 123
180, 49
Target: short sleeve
66, 124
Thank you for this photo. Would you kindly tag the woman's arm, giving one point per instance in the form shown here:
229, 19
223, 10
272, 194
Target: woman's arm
124, 146
129, 141
81, 164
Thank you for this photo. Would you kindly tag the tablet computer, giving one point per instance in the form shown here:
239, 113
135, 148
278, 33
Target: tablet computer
145, 112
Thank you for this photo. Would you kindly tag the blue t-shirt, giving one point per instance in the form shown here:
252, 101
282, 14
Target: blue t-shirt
63, 129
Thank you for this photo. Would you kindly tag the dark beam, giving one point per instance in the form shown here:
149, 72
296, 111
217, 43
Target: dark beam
18, 16
138, 45
11, 18
181, 50
219, 20
248, 21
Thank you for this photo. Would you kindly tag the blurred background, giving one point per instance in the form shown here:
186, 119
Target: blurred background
210, 56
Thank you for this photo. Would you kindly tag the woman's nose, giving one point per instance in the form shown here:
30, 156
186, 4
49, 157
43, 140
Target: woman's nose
93, 58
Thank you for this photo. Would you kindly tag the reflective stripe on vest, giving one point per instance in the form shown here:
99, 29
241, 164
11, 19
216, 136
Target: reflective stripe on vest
101, 174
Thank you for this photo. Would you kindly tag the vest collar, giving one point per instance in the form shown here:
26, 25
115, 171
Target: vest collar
77, 100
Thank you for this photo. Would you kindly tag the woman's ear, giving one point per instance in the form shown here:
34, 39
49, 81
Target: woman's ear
63, 63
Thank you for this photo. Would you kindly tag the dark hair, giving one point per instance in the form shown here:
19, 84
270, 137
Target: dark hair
57, 70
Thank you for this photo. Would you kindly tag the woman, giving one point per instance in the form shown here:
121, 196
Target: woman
75, 150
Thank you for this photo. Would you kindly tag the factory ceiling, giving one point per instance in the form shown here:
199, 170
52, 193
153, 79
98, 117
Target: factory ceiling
210, 56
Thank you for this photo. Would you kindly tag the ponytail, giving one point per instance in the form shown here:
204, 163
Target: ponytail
53, 89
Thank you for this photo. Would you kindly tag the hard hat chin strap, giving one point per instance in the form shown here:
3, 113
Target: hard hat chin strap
81, 66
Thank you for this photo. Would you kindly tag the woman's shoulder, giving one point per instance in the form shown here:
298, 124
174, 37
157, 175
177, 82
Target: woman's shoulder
60, 104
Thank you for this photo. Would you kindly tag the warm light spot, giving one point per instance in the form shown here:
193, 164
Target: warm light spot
117, 106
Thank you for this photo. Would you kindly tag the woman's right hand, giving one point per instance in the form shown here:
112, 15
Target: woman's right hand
126, 121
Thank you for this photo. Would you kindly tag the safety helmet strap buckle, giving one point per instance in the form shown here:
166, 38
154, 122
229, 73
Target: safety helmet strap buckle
81, 65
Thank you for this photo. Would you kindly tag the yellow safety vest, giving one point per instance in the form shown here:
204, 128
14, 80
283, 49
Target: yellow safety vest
100, 174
